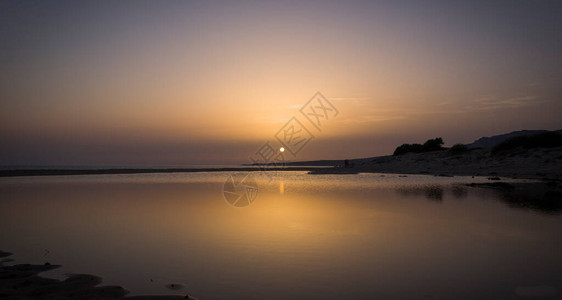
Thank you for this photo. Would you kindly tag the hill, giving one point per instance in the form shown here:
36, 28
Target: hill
492, 141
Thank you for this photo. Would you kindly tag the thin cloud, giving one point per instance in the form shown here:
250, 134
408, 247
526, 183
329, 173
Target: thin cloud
492, 103
349, 98
372, 118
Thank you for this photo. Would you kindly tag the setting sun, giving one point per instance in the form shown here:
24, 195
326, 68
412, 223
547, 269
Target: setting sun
265, 149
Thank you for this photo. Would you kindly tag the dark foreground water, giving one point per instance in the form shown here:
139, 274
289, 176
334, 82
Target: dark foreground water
303, 237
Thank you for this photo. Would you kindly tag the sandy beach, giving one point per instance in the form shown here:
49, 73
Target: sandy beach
539, 163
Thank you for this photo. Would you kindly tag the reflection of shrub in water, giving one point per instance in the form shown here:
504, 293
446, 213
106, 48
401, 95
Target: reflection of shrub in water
430, 192
434, 193
460, 191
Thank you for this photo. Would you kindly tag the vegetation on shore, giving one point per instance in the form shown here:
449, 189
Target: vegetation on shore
549, 139
541, 140
429, 145
458, 149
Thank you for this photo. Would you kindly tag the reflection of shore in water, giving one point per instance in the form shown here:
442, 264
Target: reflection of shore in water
542, 197
539, 196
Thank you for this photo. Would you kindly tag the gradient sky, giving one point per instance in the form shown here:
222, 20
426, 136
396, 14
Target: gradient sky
169, 83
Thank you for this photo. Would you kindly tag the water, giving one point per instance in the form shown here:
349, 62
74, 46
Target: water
304, 237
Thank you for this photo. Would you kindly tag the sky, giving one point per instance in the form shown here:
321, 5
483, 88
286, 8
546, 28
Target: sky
177, 83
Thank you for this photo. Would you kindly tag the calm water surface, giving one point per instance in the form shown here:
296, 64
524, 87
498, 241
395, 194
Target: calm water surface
304, 237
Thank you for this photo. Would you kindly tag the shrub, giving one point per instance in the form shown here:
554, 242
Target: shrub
433, 145
405, 148
429, 145
458, 149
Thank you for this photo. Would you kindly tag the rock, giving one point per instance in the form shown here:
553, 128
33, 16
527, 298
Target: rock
4, 254
175, 286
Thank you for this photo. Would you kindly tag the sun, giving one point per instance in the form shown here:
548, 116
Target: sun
281, 149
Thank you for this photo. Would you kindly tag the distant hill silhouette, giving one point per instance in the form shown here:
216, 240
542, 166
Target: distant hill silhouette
549, 139
492, 141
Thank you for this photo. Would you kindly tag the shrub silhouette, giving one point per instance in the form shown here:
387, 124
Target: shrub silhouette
405, 148
430, 145
458, 149
433, 145
541, 140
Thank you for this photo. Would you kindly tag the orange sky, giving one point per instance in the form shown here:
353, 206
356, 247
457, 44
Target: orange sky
190, 82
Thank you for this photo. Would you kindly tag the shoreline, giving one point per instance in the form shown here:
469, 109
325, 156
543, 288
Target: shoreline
311, 170
540, 163
66, 172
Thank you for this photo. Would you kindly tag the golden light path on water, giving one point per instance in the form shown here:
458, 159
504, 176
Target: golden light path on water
315, 237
